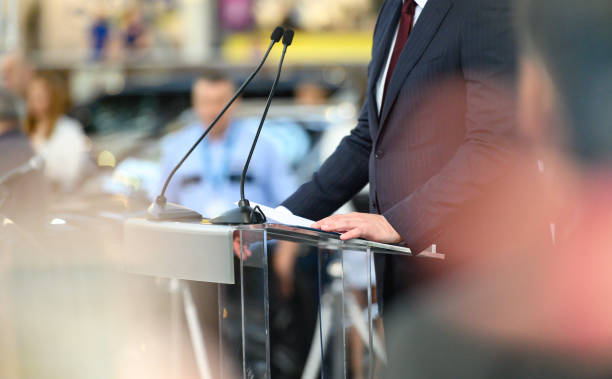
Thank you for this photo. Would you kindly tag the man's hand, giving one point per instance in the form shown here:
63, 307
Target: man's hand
283, 264
368, 226
246, 252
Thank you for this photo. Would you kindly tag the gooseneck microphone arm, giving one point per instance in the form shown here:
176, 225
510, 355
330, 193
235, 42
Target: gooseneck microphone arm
275, 37
244, 213
265, 112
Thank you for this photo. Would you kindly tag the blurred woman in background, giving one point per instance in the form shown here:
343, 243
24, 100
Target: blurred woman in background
59, 139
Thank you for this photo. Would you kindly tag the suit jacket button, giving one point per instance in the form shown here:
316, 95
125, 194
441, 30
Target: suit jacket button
378, 154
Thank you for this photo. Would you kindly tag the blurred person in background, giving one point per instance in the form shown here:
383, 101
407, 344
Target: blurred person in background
100, 35
21, 199
306, 93
310, 93
209, 181
16, 73
540, 312
59, 139
135, 34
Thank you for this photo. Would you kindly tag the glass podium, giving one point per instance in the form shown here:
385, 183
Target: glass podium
291, 302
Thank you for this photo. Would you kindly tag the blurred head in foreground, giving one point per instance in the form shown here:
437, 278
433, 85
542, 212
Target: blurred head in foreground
537, 312
566, 76
210, 92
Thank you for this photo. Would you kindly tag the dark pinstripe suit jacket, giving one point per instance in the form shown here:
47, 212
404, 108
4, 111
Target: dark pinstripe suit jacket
428, 153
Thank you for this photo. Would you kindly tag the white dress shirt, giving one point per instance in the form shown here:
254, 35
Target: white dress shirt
380, 85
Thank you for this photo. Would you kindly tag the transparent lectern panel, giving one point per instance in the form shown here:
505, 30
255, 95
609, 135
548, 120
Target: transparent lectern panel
230, 328
307, 306
244, 312
330, 339
397, 267
363, 341
293, 305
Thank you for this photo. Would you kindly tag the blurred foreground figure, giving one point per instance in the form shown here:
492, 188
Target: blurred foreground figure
21, 198
60, 140
540, 312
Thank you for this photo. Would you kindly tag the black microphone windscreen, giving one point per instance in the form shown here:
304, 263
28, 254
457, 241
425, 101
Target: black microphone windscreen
277, 34
288, 37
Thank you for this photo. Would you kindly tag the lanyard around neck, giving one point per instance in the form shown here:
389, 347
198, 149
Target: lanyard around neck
217, 175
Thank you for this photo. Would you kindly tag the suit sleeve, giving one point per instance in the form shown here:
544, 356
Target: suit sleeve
340, 177
344, 173
488, 63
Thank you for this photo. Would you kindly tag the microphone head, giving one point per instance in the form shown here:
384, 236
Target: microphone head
277, 34
288, 37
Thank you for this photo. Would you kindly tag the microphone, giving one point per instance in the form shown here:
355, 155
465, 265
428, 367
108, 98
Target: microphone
35, 163
161, 209
245, 214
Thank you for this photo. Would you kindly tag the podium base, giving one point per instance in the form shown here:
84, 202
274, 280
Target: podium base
164, 211
243, 215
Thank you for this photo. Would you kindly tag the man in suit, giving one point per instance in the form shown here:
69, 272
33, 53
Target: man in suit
423, 162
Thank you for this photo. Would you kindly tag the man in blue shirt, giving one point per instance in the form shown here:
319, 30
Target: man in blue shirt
209, 181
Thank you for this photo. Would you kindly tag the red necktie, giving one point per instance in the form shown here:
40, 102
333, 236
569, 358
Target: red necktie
405, 27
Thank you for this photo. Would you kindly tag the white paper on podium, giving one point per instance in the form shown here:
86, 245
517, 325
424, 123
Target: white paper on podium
282, 215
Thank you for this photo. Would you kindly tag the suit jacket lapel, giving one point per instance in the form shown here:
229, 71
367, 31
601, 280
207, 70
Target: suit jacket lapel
381, 51
379, 55
425, 29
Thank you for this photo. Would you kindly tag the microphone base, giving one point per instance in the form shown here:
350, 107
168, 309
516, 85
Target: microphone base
158, 211
243, 215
